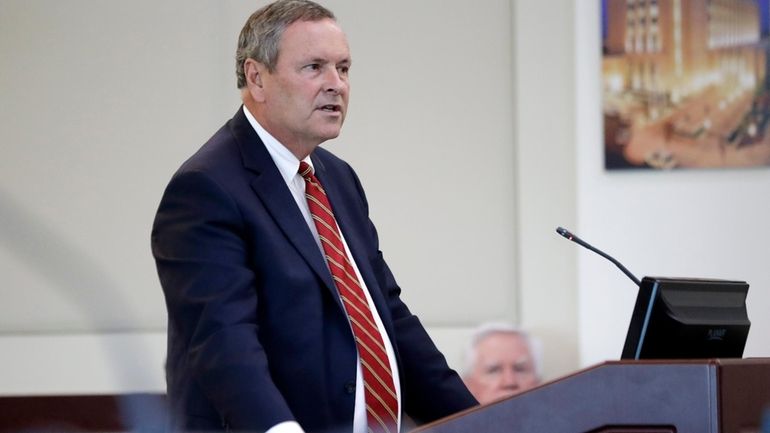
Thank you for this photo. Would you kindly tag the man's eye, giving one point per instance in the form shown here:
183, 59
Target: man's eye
313, 67
521, 368
343, 70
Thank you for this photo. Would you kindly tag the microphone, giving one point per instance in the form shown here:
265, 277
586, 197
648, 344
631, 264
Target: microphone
566, 233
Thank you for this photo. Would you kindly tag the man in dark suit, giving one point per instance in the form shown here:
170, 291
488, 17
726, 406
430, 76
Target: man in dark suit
262, 332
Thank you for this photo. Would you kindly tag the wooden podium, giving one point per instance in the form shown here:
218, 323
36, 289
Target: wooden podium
698, 396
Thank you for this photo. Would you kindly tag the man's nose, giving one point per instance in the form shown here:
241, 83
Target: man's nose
334, 81
509, 379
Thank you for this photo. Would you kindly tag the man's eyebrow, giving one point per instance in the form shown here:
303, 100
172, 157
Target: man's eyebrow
323, 61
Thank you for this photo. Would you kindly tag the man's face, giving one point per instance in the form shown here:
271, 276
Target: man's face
306, 95
504, 367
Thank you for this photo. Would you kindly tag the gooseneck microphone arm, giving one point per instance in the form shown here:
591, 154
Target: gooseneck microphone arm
566, 233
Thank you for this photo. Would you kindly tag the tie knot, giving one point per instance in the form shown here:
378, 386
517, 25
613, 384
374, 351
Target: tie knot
305, 170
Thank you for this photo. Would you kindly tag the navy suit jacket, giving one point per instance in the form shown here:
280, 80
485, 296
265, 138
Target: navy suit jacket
257, 334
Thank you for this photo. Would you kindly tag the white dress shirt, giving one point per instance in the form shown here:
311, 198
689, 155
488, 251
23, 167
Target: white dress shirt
288, 166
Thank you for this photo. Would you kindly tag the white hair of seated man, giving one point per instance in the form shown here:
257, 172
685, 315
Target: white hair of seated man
501, 360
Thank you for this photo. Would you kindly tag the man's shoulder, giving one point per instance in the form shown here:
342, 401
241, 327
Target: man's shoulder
330, 161
233, 148
220, 149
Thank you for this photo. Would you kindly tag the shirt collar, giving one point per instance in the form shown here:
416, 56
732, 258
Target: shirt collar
287, 163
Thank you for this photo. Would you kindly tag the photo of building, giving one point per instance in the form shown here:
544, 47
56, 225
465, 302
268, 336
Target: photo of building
685, 83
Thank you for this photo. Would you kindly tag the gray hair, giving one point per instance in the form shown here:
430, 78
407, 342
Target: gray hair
261, 35
487, 329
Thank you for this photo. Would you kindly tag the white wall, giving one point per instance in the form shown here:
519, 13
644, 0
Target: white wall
545, 182
705, 223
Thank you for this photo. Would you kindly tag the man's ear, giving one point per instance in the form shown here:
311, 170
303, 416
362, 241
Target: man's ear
254, 72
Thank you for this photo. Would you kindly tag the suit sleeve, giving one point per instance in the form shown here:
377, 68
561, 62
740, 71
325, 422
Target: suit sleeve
430, 388
212, 303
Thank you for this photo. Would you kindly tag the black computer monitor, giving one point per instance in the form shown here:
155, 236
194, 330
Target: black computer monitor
684, 318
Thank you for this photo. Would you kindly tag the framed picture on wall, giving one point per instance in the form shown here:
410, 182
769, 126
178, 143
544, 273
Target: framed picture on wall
685, 83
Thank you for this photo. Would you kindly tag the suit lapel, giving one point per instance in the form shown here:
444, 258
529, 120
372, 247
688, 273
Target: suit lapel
354, 233
277, 199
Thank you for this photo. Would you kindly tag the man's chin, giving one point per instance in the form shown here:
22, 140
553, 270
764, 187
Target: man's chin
329, 134
505, 394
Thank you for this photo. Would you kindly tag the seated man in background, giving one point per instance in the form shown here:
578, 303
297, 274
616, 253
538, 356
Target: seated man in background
500, 362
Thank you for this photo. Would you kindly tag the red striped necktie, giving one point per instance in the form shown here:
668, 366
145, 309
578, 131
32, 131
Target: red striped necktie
379, 391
